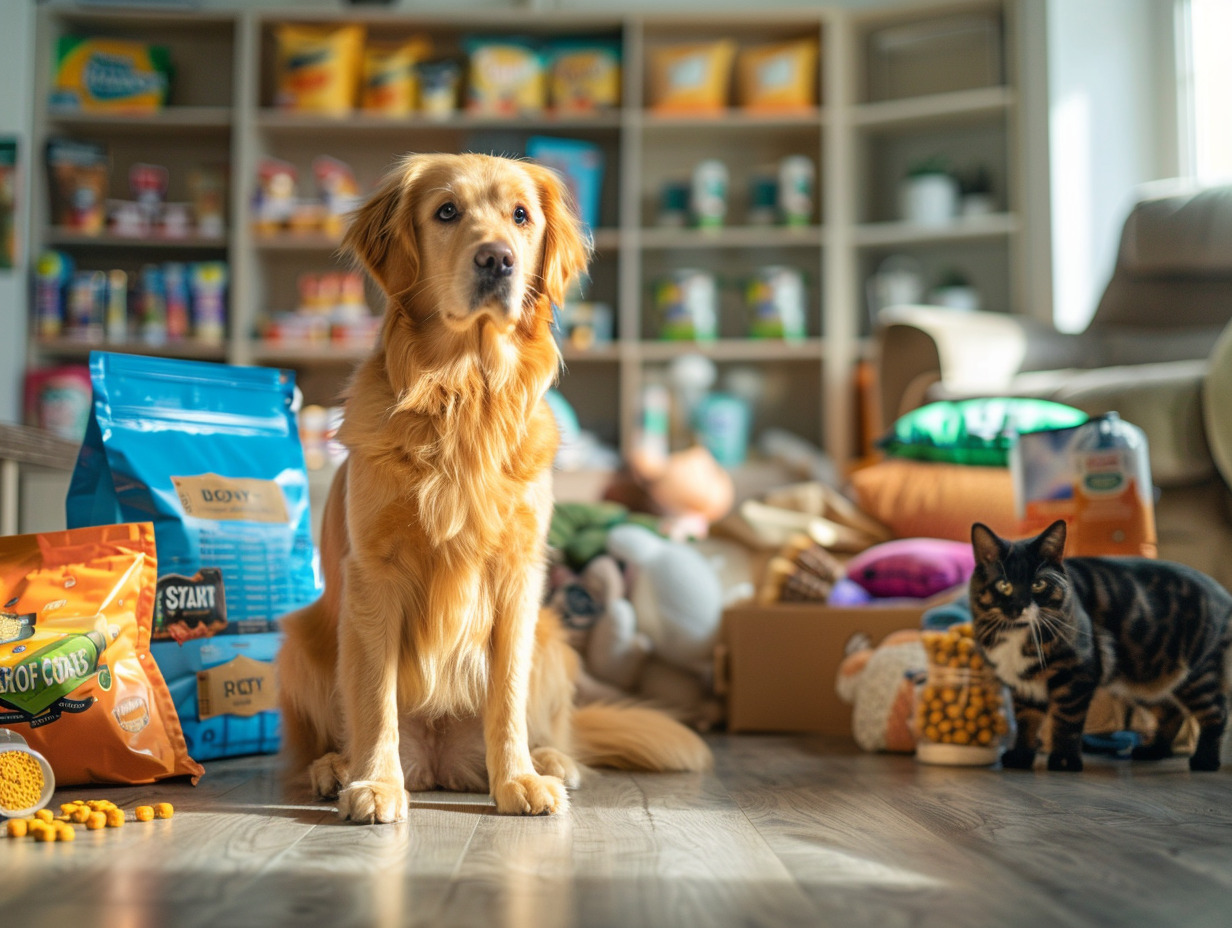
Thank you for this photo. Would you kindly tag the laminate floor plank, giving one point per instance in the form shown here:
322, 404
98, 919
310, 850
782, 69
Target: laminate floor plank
646, 850
864, 861
786, 831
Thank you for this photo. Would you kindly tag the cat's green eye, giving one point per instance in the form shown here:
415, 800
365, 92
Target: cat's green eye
1004, 587
1039, 586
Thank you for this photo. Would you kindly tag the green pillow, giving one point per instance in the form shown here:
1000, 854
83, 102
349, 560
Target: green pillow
978, 431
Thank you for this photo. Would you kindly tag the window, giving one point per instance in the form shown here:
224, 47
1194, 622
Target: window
1205, 88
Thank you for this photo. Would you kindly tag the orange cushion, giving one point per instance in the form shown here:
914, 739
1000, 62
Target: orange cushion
925, 499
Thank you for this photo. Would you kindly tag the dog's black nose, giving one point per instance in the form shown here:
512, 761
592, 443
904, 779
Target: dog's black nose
494, 259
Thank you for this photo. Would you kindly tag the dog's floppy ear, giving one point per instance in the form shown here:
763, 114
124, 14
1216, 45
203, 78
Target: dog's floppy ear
382, 231
566, 246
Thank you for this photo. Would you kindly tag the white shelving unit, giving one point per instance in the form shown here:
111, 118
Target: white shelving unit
862, 137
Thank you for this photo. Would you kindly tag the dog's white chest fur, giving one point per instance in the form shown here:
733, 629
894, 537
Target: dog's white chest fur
1013, 656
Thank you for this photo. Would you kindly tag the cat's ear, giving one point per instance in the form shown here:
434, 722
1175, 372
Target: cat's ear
988, 548
1051, 541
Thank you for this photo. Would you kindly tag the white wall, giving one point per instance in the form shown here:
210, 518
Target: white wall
1111, 94
16, 113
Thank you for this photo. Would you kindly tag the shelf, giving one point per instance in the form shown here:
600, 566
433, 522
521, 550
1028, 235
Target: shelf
604, 240
170, 118
736, 349
943, 109
73, 348
274, 120
605, 354
732, 118
296, 241
279, 353
967, 228
67, 238
733, 237
226, 74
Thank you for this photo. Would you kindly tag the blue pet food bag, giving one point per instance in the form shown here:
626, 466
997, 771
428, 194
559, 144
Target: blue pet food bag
225, 692
211, 455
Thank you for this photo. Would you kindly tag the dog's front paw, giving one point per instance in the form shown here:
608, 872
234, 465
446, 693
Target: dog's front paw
552, 763
327, 774
372, 801
530, 794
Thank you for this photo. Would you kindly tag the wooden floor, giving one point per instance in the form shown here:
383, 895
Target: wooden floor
787, 831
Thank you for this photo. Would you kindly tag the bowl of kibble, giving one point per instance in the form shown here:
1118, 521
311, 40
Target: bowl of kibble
26, 780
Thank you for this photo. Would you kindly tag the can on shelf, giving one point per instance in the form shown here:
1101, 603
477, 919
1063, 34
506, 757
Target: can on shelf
687, 301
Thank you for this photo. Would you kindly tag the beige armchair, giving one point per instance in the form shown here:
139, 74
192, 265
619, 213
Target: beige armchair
1152, 352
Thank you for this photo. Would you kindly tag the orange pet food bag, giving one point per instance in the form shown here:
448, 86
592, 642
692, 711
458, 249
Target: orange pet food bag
76, 677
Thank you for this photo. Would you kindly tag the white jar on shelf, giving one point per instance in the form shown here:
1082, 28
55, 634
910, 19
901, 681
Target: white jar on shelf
929, 199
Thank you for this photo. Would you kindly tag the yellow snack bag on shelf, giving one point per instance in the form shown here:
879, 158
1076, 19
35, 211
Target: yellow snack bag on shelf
585, 77
76, 678
318, 68
390, 84
691, 78
110, 75
505, 77
779, 76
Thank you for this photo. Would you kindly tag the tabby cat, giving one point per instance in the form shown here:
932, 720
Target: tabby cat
1054, 630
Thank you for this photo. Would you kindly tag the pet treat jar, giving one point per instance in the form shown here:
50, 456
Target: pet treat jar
962, 710
24, 775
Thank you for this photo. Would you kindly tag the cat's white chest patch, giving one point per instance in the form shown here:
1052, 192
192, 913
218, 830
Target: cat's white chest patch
1013, 656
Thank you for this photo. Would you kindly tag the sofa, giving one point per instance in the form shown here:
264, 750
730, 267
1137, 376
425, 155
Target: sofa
1158, 350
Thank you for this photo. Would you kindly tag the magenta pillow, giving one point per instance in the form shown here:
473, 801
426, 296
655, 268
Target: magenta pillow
912, 567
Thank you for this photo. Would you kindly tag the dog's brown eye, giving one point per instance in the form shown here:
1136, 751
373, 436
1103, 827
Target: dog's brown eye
520, 215
447, 212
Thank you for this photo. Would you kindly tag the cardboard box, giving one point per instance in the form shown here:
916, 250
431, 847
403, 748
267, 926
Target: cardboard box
778, 663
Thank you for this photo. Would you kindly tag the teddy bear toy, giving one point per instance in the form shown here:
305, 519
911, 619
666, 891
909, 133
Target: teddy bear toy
879, 684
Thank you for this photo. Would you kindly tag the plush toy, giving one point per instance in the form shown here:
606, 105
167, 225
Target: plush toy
689, 490
658, 645
578, 532
600, 625
675, 593
879, 684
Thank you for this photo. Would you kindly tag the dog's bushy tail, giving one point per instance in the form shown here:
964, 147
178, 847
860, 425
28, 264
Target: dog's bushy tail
629, 737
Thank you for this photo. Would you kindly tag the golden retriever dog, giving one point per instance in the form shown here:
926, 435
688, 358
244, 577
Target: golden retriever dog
428, 662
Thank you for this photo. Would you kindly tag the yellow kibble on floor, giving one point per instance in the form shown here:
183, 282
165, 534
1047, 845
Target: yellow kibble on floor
66, 808
115, 817
80, 815
44, 815
45, 832
97, 820
17, 828
163, 810
144, 813
66, 833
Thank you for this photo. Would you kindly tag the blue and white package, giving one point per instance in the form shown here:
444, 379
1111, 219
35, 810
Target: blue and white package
225, 692
209, 453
